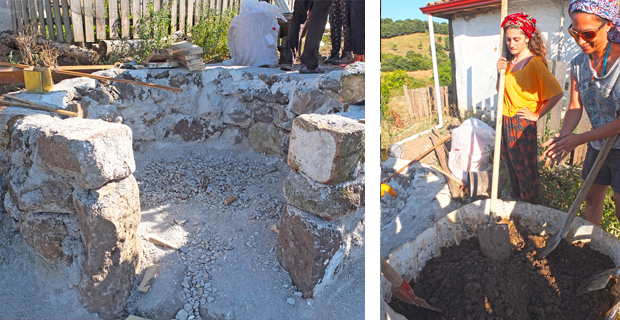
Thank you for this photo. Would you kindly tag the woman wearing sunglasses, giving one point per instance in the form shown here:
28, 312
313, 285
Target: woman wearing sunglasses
530, 92
594, 73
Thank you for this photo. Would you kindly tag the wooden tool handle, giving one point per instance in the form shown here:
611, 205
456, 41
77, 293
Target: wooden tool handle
389, 273
38, 107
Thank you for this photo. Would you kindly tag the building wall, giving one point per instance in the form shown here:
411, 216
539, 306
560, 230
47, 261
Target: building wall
476, 49
5, 15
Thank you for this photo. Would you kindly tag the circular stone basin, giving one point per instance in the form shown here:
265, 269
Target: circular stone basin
445, 266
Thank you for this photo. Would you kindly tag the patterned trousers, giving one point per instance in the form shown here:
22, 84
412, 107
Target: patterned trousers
340, 28
520, 154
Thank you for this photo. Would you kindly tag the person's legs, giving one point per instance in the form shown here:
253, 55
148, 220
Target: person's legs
316, 27
593, 211
300, 13
508, 139
356, 16
335, 25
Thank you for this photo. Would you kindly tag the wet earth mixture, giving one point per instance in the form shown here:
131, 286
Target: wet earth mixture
467, 285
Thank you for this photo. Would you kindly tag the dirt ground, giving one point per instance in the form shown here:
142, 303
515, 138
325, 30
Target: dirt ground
226, 267
463, 281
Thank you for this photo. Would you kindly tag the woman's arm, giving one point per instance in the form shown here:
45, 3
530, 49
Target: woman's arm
534, 116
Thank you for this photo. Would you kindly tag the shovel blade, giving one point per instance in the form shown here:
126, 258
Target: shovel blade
494, 241
552, 243
598, 281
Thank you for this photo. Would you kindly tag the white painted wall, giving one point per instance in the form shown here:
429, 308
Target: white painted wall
5, 16
476, 49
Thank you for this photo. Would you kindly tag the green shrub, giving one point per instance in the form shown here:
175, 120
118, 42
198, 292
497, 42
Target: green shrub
211, 33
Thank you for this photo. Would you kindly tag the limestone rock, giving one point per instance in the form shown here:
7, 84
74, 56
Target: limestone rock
37, 190
327, 148
325, 201
283, 118
190, 129
11, 208
46, 233
305, 101
264, 137
109, 218
262, 113
306, 244
93, 152
353, 84
8, 117
237, 114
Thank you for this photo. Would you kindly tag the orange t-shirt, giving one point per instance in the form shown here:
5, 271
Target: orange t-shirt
529, 87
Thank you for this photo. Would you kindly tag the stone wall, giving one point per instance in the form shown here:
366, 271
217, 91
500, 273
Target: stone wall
72, 191
236, 104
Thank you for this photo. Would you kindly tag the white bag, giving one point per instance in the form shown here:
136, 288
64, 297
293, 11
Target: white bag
253, 35
471, 144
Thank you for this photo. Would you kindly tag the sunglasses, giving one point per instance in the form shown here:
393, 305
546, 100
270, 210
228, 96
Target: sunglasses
587, 35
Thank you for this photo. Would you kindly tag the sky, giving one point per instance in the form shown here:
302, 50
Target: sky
405, 9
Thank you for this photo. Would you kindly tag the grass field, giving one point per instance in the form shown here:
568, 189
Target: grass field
410, 42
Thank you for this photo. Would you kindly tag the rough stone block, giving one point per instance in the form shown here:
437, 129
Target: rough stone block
8, 117
305, 101
93, 152
353, 84
239, 115
109, 218
37, 190
265, 138
190, 129
327, 148
326, 201
306, 244
51, 235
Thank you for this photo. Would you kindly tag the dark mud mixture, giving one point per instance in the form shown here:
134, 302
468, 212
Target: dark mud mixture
467, 285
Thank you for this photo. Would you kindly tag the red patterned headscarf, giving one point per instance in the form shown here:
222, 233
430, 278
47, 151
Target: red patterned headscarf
523, 21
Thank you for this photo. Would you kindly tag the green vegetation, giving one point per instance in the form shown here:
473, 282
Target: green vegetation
211, 33
391, 28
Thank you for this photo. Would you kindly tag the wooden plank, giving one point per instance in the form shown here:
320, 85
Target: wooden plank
41, 14
16, 75
186, 48
417, 102
113, 18
198, 11
67, 21
149, 274
32, 14
212, 4
60, 37
224, 5
25, 15
580, 151
218, 6
48, 19
125, 19
442, 156
146, 8
88, 21
408, 101
156, 5
76, 19
182, 15
541, 127
100, 19
559, 70
136, 12
174, 7
13, 16
19, 22
190, 14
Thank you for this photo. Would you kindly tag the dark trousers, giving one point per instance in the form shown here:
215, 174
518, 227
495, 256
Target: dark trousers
519, 152
340, 28
315, 25
357, 13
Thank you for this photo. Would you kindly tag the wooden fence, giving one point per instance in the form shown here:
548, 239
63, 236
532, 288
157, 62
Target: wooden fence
92, 20
421, 102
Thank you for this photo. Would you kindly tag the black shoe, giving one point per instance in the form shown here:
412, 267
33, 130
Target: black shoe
286, 67
333, 59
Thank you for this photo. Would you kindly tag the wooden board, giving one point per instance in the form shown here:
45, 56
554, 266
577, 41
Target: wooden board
218, 6
212, 4
187, 57
197, 11
88, 21
173, 16
149, 274
48, 19
136, 13
583, 126
76, 18
100, 19
442, 156
16, 75
113, 20
67, 20
156, 5
146, 9
125, 19
224, 5
13, 13
408, 101
182, 15
60, 37
160, 55
32, 13
186, 48
41, 13
190, 14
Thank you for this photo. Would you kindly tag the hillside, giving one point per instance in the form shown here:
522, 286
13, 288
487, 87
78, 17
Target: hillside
409, 42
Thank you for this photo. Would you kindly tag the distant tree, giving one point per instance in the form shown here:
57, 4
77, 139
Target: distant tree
394, 46
420, 45
439, 39
391, 28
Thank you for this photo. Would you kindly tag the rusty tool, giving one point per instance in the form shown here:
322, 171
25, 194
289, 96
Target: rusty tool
493, 237
401, 289
554, 240
23, 103
598, 281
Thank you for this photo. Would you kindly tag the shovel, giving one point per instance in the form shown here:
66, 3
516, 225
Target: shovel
555, 239
598, 281
401, 289
493, 237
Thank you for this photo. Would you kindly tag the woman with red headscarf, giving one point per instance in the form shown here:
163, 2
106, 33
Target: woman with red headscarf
530, 92
595, 26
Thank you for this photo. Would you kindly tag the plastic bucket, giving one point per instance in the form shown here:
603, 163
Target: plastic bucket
461, 224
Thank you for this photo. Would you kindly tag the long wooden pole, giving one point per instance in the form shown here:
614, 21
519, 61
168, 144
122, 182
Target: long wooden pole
38, 107
92, 76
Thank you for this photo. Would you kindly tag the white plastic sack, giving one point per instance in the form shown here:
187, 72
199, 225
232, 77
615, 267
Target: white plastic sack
471, 144
253, 35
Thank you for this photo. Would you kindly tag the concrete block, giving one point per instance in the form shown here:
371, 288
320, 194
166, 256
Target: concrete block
327, 148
